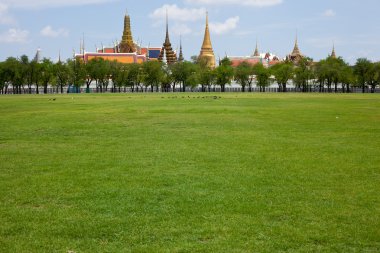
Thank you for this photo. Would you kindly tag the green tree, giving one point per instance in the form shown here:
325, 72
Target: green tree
181, 73
206, 77
153, 74
101, 73
46, 73
77, 73
244, 75
347, 78
372, 77
377, 74
362, 70
224, 73
303, 73
262, 76
90, 73
62, 73
12, 75
3, 78
135, 76
167, 79
283, 72
116, 69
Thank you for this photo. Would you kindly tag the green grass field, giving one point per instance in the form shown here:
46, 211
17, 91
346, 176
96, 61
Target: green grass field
182, 173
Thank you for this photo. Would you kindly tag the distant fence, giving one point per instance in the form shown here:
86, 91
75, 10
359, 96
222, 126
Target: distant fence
188, 89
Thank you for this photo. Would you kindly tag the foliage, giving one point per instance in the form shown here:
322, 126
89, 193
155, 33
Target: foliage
303, 73
244, 75
152, 74
283, 72
262, 75
224, 73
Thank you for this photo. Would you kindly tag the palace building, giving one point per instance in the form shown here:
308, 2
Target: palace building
267, 59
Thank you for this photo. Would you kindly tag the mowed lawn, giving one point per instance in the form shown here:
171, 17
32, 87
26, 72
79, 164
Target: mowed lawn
190, 173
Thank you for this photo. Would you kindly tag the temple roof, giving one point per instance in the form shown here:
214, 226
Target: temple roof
296, 50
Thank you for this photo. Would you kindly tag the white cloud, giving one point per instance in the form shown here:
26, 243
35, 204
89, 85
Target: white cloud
329, 13
181, 29
33, 4
178, 14
14, 36
221, 28
5, 17
48, 31
254, 3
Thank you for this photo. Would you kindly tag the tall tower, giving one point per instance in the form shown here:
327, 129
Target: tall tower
256, 53
207, 52
296, 55
167, 47
126, 44
180, 57
333, 54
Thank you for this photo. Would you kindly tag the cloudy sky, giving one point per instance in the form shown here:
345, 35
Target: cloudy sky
58, 25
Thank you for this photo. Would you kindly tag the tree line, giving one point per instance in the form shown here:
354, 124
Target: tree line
21, 75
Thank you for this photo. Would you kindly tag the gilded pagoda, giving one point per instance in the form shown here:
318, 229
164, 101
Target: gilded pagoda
207, 53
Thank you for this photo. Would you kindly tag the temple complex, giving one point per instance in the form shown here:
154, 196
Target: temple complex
171, 56
207, 53
127, 51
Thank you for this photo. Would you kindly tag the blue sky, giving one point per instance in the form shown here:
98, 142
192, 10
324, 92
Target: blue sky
58, 25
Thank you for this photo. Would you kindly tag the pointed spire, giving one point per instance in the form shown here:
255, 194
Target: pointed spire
59, 56
84, 49
296, 55
180, 58
206, 51
296, 50
333, 54
126, 44
256, 53
167, 40
167, 46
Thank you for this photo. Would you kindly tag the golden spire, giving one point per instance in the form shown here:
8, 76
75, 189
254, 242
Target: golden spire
126, 44
256, 53
207, 52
